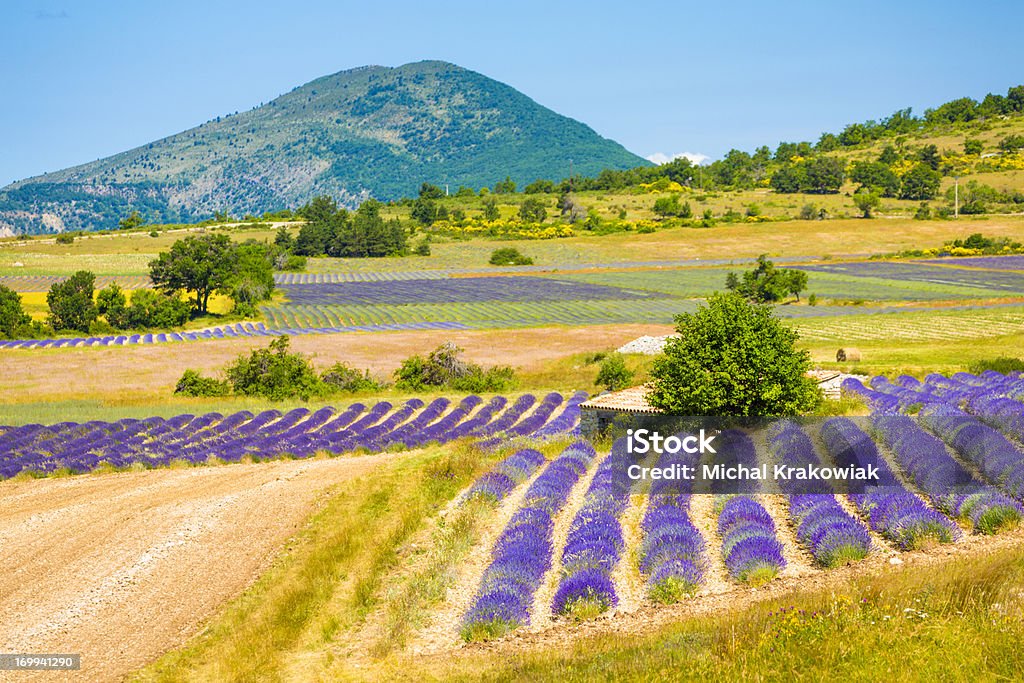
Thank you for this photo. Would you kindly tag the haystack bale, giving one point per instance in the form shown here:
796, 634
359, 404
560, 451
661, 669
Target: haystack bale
848, 355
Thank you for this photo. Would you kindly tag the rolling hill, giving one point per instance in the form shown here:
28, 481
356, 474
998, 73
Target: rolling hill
371, 131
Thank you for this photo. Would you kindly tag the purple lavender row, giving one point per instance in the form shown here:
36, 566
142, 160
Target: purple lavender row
567, 421
495, 484
1001, 461
224, 332
998, 459
594, 544
734, 448
891, 510
672, 553
155, 442
529, 424
949, 486
832, 535
751, 551
522, 554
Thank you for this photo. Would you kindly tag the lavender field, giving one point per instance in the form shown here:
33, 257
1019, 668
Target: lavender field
996, 279
954, 473
298, 433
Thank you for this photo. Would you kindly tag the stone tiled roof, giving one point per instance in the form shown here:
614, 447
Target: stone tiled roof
634, 399
631, 400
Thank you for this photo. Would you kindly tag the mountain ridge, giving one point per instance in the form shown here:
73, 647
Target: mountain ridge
368, 131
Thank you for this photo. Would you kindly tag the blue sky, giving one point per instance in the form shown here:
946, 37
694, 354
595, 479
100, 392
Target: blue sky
85, 79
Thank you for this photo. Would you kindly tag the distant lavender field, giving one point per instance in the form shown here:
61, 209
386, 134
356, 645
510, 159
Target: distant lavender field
1013, 262
1005, 280
455, 290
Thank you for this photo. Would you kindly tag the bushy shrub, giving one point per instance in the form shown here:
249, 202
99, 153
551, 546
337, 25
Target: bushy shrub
275, 373
444, 368
65, 238
1003, 364
148, 309
733, 358
341, 377
509, 256
478, 380
291, 263
192, 383
614, 374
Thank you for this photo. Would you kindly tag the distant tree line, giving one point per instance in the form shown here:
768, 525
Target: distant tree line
334, 231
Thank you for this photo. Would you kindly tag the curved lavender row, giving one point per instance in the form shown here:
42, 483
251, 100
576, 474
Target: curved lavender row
991, 397
222, 332
832, 535
672, 553
991, 452
751, 551
407, 432
1001, 461
734, 448
483, 417
951, 488
567, 420
539, 416
594, 543
522, 554
156, 442
530, 423
498, 482
440, 431
508, 418
891, 510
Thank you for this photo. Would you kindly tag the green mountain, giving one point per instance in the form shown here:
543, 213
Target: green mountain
372, 131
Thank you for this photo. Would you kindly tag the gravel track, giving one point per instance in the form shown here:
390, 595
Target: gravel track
124, 567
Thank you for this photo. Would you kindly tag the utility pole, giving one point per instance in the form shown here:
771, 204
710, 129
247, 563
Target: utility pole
956, 197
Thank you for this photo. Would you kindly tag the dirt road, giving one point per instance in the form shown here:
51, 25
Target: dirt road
123, 567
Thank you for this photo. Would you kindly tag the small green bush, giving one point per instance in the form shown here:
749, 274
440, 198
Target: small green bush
65, 238
444, 368
192, 383
509, 256
1003, 364
341, 377
614, 374
275, 373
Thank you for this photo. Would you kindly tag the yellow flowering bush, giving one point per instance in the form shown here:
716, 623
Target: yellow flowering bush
663, 185
902, 167
507, 228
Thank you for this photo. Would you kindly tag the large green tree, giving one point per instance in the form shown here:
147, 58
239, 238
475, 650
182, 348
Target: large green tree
732, 358
12, 315
766, 283
71, 303
921, 182
201, 264
253, 278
